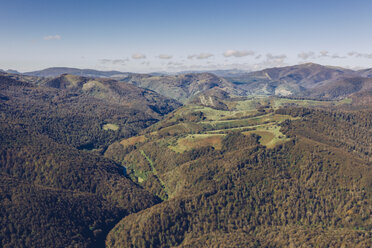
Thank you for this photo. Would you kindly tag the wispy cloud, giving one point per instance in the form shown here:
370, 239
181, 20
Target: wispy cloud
327, 54
272, 61
172, 63
176, 66
336, 56
360, 55
235, 53
321, 54
306, 55
280, 57
200, 56
52, 37
324, 53
165, 56
114, 61
138, 56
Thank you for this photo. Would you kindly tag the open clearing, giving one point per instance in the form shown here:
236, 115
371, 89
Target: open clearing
249, 116
270, 135
110, 126
193, 141
133, 140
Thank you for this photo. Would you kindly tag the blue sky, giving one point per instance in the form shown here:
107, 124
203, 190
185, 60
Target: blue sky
175, 35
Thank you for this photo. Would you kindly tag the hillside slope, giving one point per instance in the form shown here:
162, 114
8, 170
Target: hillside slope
304, 80
184, 87
54, 195
263, 173
56, 189
82, 112
340, 88
290, 80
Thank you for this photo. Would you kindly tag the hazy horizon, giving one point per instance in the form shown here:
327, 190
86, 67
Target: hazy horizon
148, 36
183, 71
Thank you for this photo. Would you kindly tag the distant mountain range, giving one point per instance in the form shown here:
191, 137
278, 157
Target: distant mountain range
220, 73
10, 71
184, 87
305, 80
291, 80
57, 71
341, 88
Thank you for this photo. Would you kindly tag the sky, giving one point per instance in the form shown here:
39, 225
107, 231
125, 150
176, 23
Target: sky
181, 35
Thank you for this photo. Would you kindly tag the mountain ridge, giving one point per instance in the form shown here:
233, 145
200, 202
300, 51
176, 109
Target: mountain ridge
57, 71
303, 80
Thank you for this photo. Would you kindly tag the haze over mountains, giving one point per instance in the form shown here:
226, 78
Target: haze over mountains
57, 71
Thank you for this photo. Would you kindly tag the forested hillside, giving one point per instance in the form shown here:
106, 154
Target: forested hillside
230, 178
90, 162
81, 112
54, 193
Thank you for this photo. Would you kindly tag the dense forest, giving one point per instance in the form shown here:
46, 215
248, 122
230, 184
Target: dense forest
314, 189
56, 189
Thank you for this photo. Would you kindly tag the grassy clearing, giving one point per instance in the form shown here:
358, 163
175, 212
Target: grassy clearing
344, 101
217, 115
278, 102
247, 122
211, 114
180, 128
74, 80
270, 135
110, 126
133, 140
141, 176
197, 141
242, 129
251, 104
93, 84
244, 117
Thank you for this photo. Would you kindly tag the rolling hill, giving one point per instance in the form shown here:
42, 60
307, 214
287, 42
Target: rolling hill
291, 80
341, 88
183, 87
302, 80
231, 178
305, 80
56, 188
81, 112
365, 72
